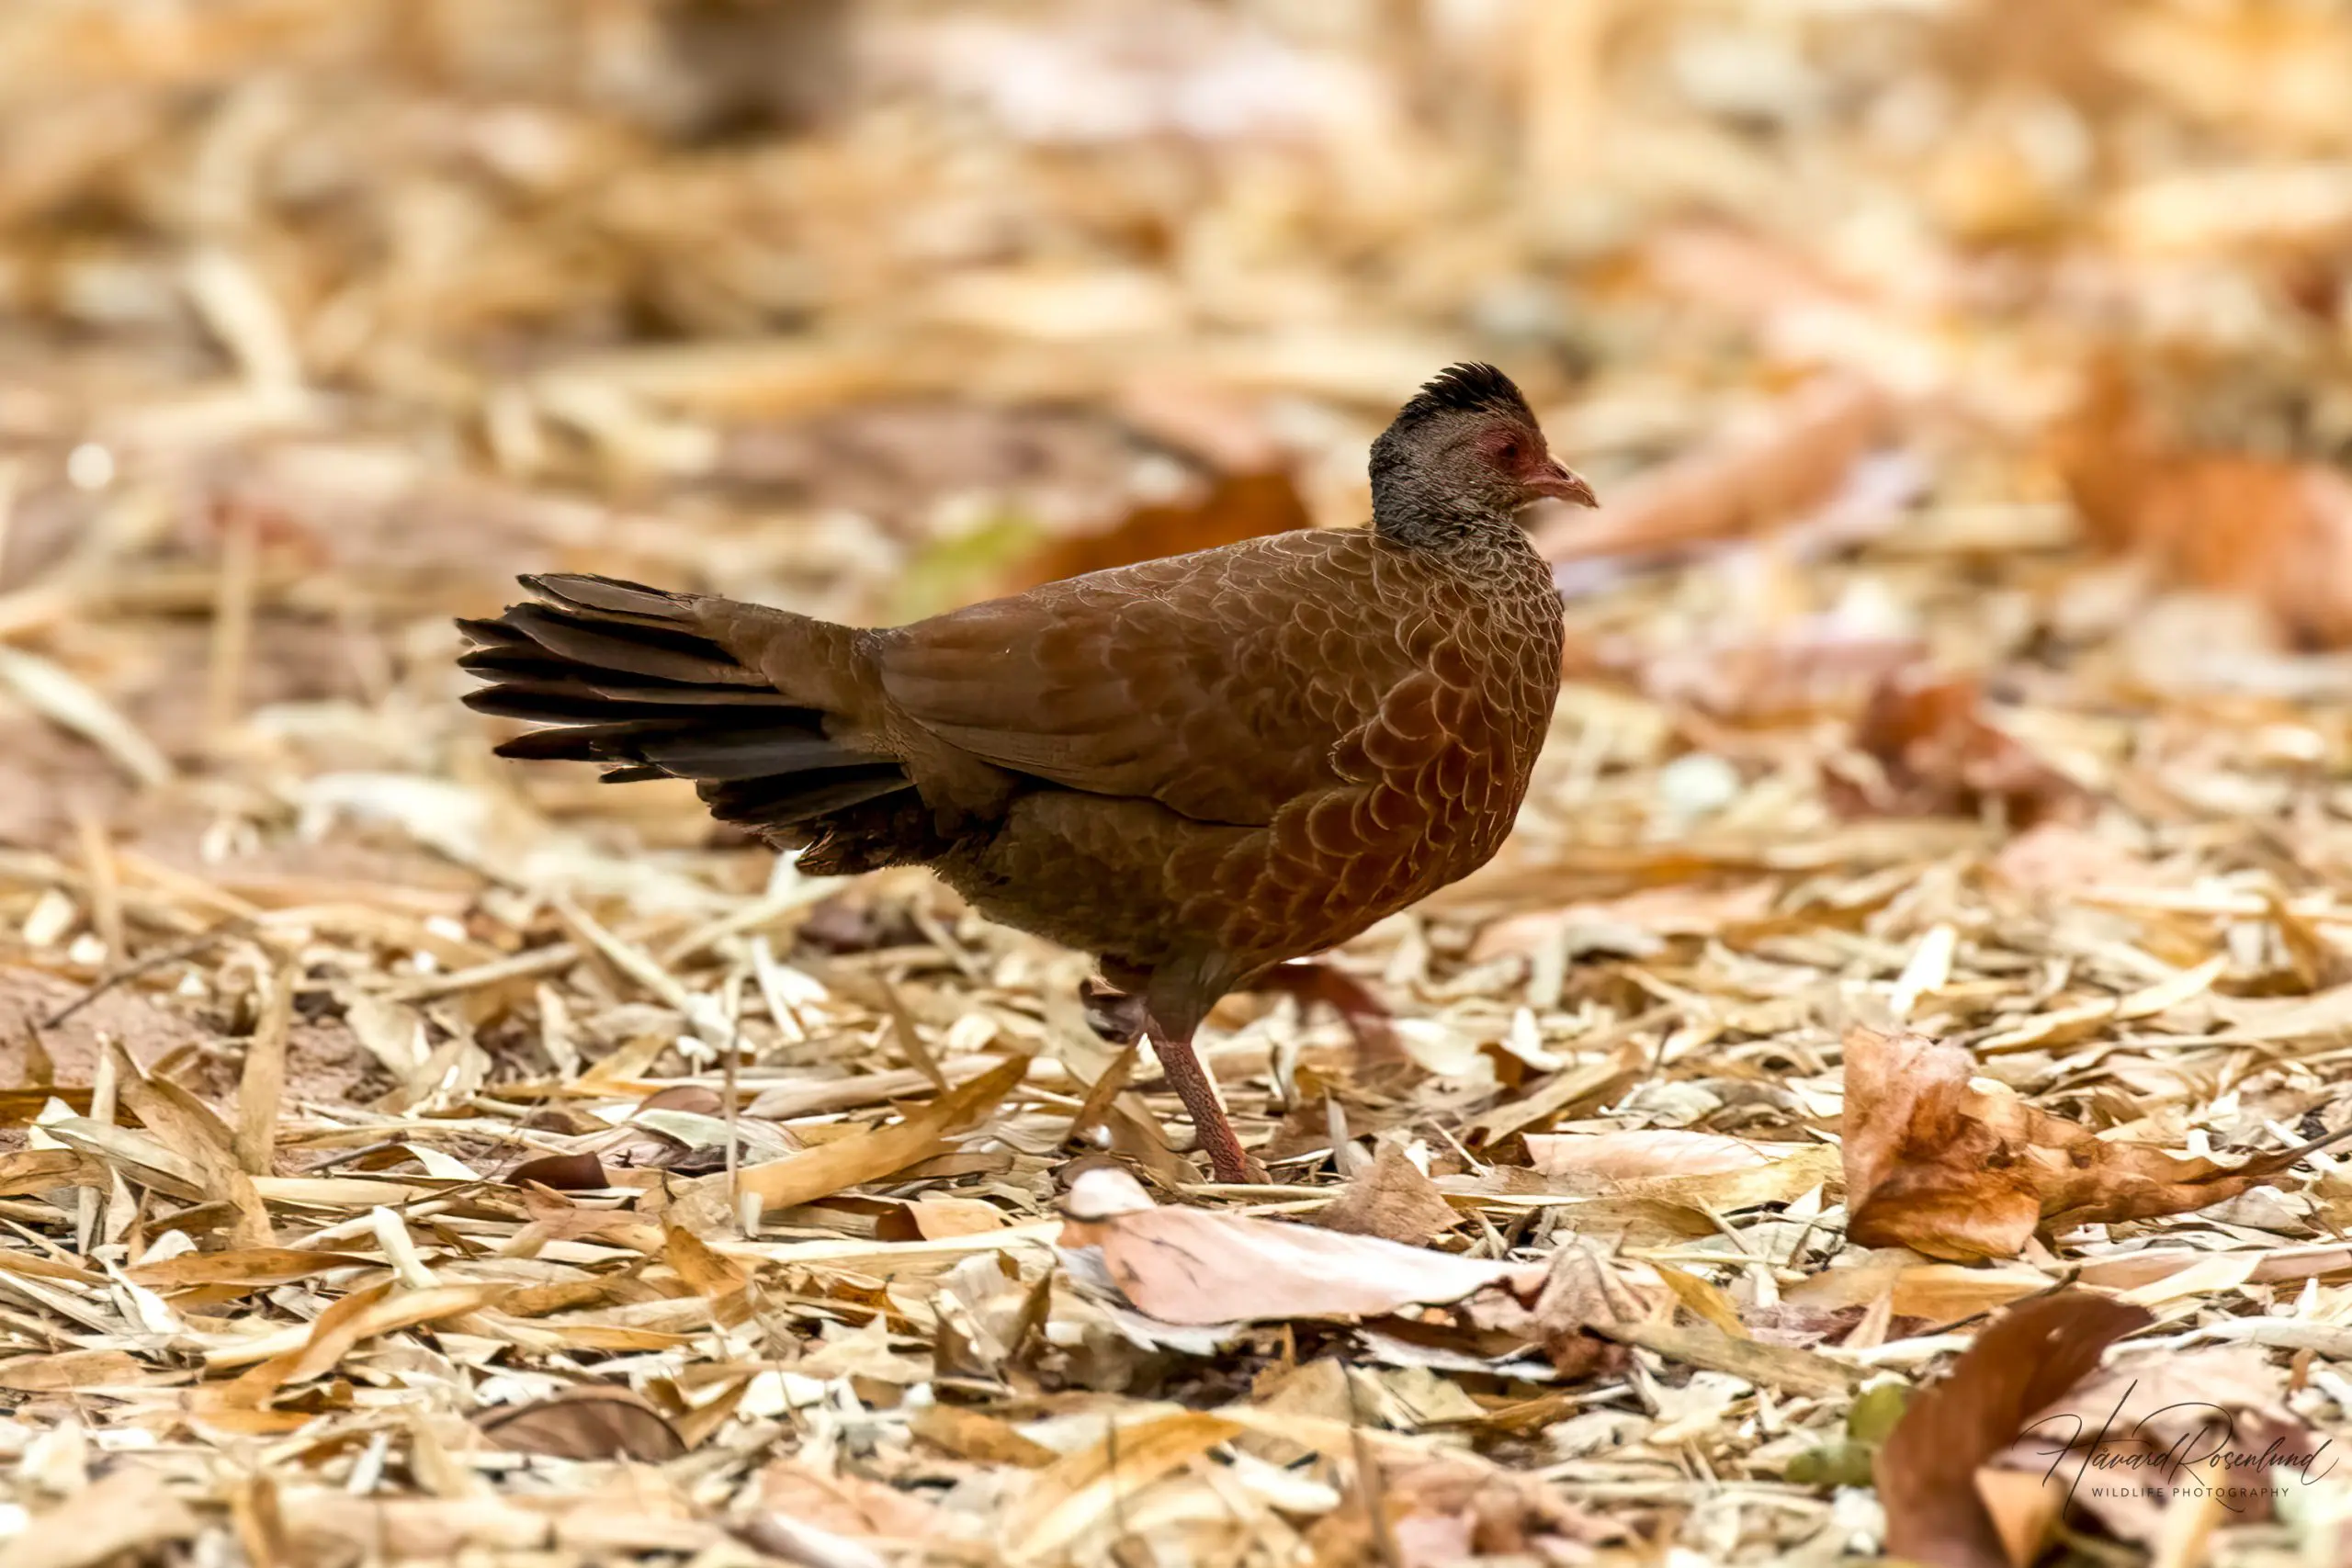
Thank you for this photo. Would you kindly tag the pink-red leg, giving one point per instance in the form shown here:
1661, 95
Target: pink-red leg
1190, 1080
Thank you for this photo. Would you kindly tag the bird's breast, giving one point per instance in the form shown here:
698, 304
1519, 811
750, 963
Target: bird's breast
1423, 792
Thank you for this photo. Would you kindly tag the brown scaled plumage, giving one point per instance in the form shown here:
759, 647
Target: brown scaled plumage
1194, 768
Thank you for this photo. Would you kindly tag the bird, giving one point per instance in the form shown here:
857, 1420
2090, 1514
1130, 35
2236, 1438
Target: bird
1194, 769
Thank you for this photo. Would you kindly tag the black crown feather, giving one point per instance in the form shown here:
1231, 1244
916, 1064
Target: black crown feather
1469, 388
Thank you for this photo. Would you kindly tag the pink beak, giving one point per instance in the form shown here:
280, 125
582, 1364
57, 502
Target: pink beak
1562, 484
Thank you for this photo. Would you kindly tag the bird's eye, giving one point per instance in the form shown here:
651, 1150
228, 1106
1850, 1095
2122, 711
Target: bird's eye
1508, 452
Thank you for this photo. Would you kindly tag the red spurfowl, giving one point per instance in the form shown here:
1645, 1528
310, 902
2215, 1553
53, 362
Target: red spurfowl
1194, 768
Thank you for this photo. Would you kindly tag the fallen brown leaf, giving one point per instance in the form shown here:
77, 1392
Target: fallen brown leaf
1193, 1266
593, 1422
2277, 533
1927, 1471
841, 1505
975, 1434
561, 1173
1580, 1293
243, 1266
2174, 1424
1957, 1172
1237, 506
1636, 1153
1702, 1345
1935, 1292
1443, 1511
1394, 1199
1077, 1491
1794, 460
1940, 757
118, 1515
359, 1316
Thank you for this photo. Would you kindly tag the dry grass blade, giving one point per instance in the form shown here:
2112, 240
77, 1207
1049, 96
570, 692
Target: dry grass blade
1767, 1365
129, 1511
57, 695
821, 1172
1076, 1493
263, 1082
359, 1316
196, 1136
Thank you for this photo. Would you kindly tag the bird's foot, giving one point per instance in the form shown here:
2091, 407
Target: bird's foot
1251, 1171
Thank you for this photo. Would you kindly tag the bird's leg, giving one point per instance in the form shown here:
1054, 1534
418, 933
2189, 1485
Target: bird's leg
1191, 1081
1366, 1016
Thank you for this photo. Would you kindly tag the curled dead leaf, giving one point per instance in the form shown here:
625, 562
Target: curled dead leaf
2278, 533
1581, 1292
695, 1098
1453, 1509
1927, 1471
1938, 756
1935, 1164
560, 1173
1392, 1199
592, 1422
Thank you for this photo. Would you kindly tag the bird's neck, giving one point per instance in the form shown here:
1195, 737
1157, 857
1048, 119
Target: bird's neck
1413, 506
1424, 518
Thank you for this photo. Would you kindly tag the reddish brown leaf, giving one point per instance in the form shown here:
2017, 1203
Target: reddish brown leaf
691, 1097
2177, 1422
1581, 1291
592, 1422
1958, 1172
1940, 757
2023, 1362
563, 1173
1455, 1509
2277, 533
1237, 506
1393, 1200
1740, 486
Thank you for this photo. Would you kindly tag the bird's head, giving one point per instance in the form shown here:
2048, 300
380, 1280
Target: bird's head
1464, 455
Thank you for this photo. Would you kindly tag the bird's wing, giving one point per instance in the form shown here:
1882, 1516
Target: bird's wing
1219, 683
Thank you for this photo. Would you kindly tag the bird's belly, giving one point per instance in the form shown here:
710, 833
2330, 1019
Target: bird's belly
1340, 862
1132, 880
1119, 877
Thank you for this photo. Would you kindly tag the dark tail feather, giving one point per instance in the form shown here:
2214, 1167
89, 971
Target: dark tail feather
621, 676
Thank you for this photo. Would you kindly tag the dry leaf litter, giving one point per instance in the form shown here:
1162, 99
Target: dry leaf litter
1931, 902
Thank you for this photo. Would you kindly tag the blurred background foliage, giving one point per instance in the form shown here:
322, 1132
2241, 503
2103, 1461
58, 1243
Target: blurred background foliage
332, 314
